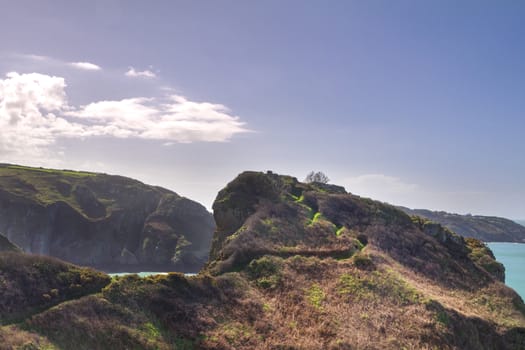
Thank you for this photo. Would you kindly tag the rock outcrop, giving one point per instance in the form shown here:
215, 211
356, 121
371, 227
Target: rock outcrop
109, 222
7, 246
485, 228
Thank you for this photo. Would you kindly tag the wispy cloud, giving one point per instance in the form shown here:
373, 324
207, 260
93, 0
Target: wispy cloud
34, 114
140, 74
35, 57
379, 186
85, 65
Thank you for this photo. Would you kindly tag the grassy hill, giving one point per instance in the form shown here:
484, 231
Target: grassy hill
485, 228
300, 266
110, 222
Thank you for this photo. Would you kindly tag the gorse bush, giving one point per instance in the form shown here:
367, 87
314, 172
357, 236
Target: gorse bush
266, 271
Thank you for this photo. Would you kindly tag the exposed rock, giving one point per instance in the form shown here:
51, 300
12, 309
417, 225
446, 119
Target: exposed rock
7, 246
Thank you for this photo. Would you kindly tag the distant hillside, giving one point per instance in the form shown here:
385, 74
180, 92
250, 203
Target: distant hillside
485, 228
109, 222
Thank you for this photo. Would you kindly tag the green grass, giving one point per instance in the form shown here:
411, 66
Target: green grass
377, 286
51, 171
44, 186
266, 272
315, 296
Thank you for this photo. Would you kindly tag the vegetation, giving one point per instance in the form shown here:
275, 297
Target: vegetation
29, 284
276, 283
318, 176
483, 256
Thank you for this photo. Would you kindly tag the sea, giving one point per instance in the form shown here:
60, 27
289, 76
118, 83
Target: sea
144, 274
512, 256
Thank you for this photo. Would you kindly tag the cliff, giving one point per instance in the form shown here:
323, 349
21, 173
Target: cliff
485, 228
109, 222
301, 266
7, 246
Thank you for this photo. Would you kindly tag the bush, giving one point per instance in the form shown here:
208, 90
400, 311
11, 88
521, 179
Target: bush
266, 271
317, 177
362, 260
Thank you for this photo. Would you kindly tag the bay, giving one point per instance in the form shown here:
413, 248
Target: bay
512, 256
144, 274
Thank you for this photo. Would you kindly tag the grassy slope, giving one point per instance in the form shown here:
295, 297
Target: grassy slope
47, 186
31, 284
291, 303
362, 275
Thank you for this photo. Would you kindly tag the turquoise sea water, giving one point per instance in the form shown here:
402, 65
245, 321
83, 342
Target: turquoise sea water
144, 274
512, 255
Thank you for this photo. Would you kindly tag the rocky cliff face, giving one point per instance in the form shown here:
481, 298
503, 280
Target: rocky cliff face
109, 222
485, 228
7, 246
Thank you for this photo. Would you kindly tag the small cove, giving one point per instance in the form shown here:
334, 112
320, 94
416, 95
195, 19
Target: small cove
144, 274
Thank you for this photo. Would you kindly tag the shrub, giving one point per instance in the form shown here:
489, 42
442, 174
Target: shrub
266, 271
362, 260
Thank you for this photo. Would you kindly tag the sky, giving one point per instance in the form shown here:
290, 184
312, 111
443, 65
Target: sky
415, 103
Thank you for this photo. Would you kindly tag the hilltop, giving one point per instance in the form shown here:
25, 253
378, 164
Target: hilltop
301, 266
109, 222
485, 228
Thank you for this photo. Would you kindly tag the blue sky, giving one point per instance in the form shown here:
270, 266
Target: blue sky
418, 103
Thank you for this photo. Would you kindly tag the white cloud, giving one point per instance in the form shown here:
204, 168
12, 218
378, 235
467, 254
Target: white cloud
139, 74
28, 107
34, 114
171, 118
381, 187
85, 65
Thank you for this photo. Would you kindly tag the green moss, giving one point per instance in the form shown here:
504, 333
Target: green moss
270, 226
151, 331
314, 218
483, 256
379, 285
266, 271
315, 296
